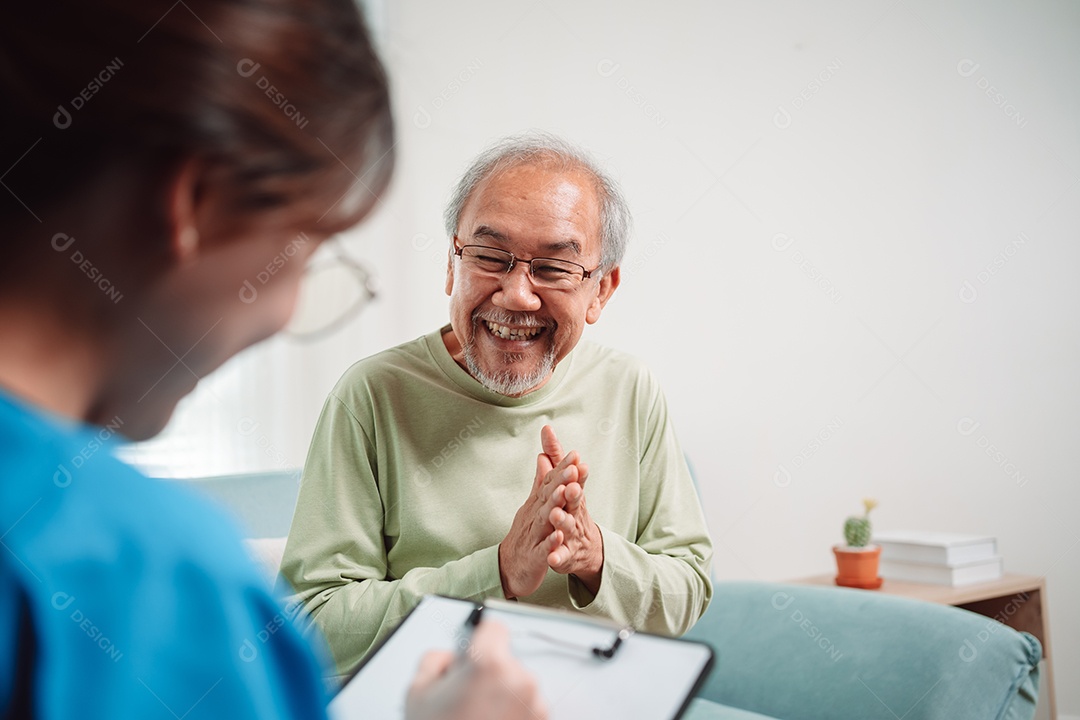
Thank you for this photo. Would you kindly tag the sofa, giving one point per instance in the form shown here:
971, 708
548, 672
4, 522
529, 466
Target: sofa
793, 651
789, 651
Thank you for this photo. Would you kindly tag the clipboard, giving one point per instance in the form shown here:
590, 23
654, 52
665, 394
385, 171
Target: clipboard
584, 667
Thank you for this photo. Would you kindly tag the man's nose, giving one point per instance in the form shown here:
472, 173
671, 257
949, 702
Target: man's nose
516, 290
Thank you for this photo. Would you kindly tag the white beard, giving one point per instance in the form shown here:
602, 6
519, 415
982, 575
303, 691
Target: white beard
507, 382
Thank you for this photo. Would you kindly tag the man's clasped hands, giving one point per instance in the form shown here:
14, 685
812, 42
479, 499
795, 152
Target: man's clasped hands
552, 529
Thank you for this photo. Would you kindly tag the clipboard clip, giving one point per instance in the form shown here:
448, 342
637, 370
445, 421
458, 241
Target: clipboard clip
603, 653
608, 653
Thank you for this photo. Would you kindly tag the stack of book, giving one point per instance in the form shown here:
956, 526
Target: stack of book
939, 558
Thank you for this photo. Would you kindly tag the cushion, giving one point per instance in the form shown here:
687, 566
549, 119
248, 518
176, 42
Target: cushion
794, 651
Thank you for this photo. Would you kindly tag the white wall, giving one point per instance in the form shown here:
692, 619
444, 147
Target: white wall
819, 189
854, 265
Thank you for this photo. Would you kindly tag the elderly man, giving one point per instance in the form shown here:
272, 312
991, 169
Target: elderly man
436, 468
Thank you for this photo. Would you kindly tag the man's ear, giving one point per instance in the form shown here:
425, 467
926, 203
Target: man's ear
609, 281
450, 270
181, 207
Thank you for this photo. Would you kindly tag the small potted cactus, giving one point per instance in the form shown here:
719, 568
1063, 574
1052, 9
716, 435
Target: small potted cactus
857, 560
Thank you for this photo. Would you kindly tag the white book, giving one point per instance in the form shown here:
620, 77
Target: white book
937, 548
955, 576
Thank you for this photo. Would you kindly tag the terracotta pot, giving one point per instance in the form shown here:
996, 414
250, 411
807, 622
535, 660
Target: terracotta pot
857, 567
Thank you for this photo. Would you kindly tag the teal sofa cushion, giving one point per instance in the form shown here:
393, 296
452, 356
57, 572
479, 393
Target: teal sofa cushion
793, 651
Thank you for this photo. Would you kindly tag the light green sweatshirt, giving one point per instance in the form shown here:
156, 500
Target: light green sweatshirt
415, 472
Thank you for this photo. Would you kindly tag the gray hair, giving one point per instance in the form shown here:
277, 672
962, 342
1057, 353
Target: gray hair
541, 147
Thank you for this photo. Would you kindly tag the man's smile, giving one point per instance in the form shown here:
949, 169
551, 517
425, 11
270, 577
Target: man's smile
513, 333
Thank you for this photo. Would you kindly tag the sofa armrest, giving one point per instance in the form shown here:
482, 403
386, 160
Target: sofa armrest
793, 651
267, 554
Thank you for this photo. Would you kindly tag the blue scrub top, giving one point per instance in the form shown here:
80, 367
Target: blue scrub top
125, 597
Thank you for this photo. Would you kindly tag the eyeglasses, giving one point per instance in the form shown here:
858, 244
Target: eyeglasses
335, 289
545, 272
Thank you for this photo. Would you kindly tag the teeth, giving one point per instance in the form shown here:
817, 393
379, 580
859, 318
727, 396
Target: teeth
507, 333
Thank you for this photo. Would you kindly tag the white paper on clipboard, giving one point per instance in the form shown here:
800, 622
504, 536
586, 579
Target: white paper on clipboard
650, 677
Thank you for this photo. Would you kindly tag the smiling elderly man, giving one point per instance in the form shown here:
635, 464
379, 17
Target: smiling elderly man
435, 467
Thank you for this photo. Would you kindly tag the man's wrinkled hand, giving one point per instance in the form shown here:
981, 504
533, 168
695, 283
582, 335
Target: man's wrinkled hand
581, 547
524, 552
581, 552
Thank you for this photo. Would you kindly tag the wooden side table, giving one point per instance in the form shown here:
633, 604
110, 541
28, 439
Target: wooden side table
1018, 601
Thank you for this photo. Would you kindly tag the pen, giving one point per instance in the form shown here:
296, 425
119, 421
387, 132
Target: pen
470, 626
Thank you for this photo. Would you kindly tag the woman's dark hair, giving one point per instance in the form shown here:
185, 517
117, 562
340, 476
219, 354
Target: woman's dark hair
284, 100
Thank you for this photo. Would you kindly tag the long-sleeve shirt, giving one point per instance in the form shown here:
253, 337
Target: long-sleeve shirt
416, 470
